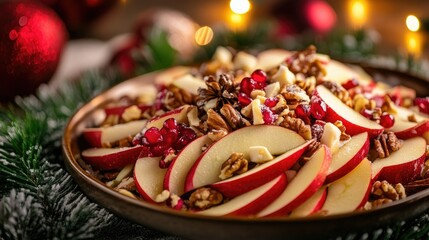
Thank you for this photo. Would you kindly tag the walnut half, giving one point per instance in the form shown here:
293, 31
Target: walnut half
235, 165
204, 198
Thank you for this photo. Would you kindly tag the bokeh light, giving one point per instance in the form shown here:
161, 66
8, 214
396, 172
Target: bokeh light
240, 6
203, 35
413, 23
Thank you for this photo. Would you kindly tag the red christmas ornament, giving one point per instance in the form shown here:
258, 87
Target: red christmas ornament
31, 39
295, 17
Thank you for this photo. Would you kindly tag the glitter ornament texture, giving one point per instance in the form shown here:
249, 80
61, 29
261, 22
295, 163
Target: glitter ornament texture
31, 40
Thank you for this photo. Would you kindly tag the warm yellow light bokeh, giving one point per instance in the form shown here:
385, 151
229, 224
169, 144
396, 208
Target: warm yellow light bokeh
414, 43
203, 35
240, 6
413, 23
358, 13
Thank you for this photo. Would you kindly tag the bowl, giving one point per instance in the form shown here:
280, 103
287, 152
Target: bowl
193, 226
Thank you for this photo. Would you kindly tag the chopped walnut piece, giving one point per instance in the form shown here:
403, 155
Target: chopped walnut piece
307, 62
306, 84
232, 116
388, 105
344, 136
386, 143
176, 97
236, 164
131, 113
385, 190
204, 198
293, 94
378, 203
110, 120
412, 118
340, 92
297, 125
311, 149
216, 122
360, 102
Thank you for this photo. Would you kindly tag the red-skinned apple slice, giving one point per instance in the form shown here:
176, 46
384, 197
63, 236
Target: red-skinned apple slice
402, 166
354, 122
180, 114
250, 202
111, 158
260, 175
405, 129
97, 136
351, 191
118, 110
175, 177
149, 177
207, 168
348, 156
306, 182
312, 205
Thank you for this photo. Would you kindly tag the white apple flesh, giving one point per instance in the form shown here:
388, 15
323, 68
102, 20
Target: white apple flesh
348, 156
111, 158
250, 202
354, 122
351, 191
149, 177
311, 206
259, 175
207, 168
306, 182
176, 174
402, 166
97, 136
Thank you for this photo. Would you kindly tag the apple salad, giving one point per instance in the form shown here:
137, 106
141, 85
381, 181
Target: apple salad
282, 133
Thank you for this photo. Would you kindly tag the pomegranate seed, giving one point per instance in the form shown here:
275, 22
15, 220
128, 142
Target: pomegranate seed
303, 111
170, 136
367, 113
259, 76
247, 85
244, 99
158, 150
187, 135
387, 120
170, 123
268, 115
318, 108
422, 104
351, 83
271, 102
152, 136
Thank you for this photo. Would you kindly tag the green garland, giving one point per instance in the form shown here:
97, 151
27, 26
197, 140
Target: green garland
39, 200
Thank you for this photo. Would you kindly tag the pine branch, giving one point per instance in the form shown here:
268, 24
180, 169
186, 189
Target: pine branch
29, 148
